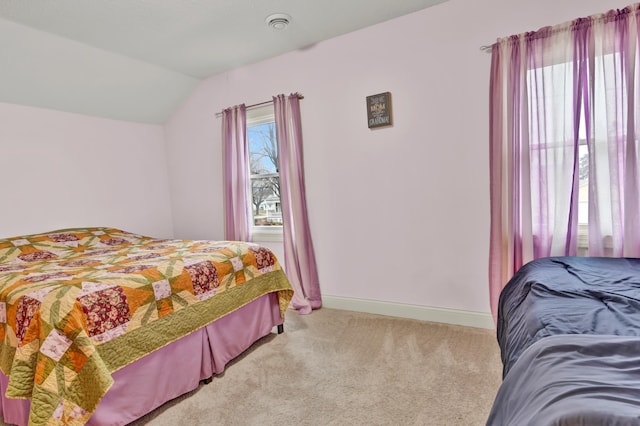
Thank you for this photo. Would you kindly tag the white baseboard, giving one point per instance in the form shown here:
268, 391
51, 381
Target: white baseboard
402, 310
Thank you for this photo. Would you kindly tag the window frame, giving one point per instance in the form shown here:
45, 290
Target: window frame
256, 116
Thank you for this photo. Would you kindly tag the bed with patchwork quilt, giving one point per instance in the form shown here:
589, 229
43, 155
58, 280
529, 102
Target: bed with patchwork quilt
85, 311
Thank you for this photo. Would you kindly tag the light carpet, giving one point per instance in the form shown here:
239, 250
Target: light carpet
337, 367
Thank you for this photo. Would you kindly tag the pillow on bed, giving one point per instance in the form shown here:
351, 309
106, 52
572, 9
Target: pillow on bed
62, 244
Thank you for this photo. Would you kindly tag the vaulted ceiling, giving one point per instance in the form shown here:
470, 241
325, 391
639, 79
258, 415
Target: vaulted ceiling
138, 59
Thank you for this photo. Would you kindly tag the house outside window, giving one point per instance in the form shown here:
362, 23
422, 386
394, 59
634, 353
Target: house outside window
264, 177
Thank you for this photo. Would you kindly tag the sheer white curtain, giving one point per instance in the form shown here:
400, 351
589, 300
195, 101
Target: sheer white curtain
235, 154
612, 104
553, 91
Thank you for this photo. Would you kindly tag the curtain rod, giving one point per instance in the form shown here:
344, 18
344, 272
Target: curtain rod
219, 114
486, 48
607, 17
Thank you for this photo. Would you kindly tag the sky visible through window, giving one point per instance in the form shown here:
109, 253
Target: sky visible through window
262, 148
265, 181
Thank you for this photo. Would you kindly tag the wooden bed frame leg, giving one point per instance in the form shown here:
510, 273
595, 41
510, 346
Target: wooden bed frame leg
280, 328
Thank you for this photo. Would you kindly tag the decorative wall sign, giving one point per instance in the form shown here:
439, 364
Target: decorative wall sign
379, 110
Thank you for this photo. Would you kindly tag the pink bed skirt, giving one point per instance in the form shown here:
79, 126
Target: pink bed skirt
171, 371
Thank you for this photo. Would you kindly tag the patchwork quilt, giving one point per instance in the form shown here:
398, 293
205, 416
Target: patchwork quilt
77, 305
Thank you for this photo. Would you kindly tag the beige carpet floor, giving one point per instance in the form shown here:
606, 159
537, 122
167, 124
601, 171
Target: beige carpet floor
337, 367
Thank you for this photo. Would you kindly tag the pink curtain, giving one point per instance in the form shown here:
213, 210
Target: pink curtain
551, 91
299, 257
235, 153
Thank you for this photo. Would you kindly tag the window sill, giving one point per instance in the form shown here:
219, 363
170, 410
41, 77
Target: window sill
583, 241
260, 234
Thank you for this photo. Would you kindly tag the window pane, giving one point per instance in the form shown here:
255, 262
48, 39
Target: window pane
583, 190
263, 149
265, 181
265, 196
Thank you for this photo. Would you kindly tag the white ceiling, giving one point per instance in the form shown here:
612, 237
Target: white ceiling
137, 59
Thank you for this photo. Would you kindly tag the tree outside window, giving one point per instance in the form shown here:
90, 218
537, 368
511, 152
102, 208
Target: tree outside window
263, 170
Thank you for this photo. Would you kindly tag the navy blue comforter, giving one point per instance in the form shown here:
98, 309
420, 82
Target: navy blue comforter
569, 335
568, 295
572, 380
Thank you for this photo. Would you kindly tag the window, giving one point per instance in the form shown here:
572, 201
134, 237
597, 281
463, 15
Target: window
263, 173
553, 86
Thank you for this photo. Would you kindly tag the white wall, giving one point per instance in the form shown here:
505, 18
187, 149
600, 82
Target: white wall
398, 214
60, 170
49, 71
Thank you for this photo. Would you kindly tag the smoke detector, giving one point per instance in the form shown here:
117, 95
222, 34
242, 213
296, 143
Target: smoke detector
278, 21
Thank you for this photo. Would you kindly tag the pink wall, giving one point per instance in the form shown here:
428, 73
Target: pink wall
60, 170
398, 214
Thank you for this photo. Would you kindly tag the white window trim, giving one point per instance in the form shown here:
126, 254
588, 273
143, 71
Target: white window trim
269, 234
257, 116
